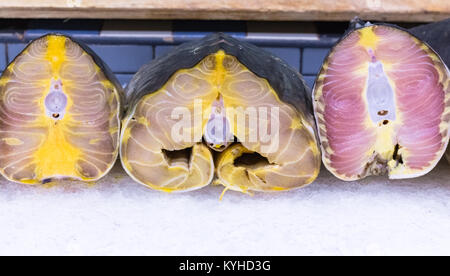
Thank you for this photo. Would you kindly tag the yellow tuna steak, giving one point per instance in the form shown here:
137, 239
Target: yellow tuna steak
59, 113
219, 106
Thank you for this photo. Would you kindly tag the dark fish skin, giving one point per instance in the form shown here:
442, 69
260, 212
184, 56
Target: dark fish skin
285, 80
437, 35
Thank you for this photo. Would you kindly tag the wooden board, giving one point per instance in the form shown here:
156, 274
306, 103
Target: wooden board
298, 10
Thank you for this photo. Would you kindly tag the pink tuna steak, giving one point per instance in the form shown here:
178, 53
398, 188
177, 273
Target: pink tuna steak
382, 105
